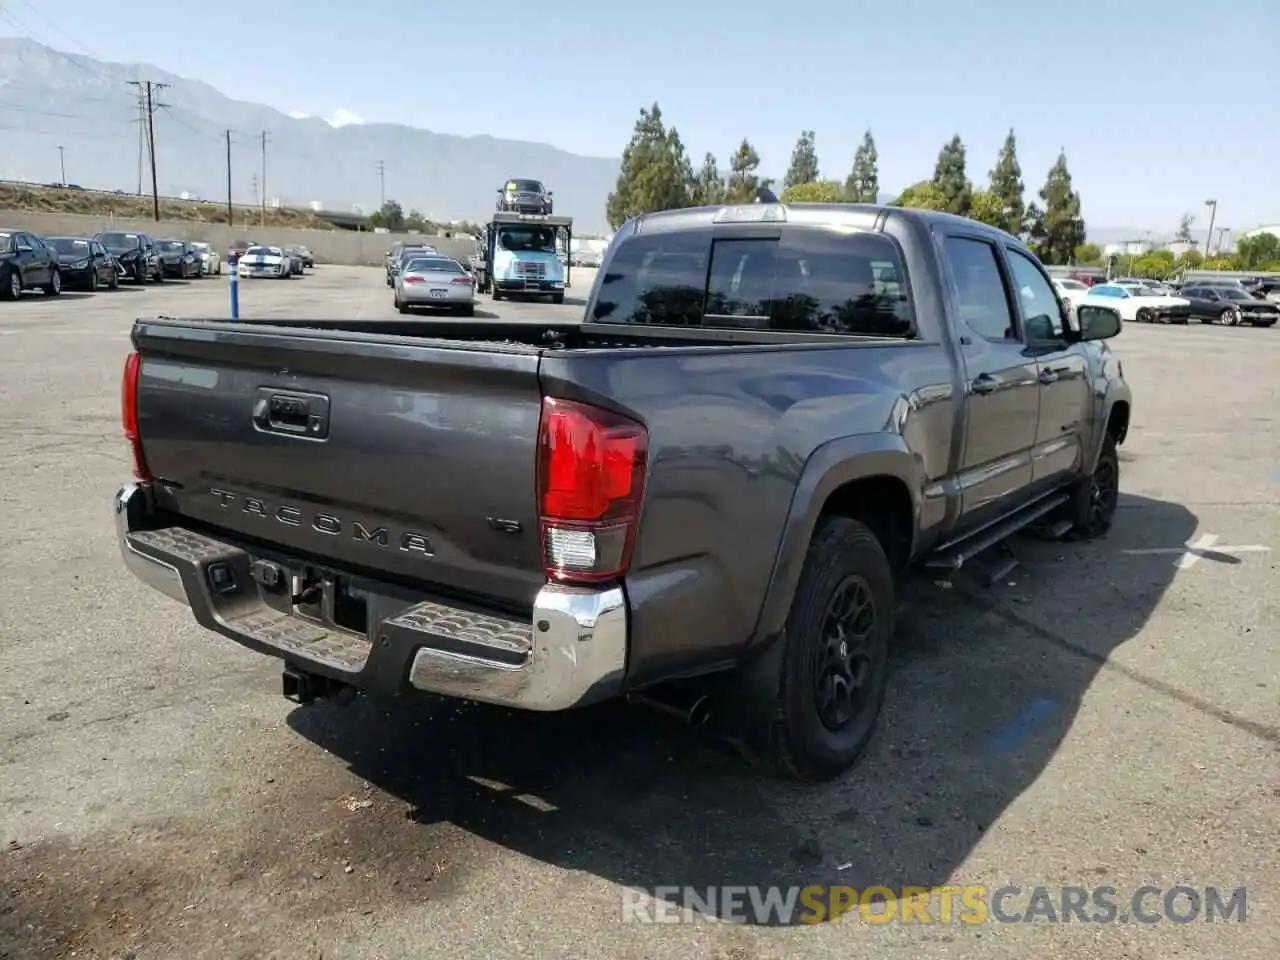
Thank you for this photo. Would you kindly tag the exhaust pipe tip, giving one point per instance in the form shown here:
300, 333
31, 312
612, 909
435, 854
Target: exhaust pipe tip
699, 712
695, 713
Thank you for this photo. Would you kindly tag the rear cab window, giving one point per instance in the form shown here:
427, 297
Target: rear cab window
806, 281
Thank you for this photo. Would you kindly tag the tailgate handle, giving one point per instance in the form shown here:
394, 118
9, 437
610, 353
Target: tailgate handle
295, 414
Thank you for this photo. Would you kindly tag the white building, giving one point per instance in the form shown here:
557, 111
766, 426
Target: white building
1127, 248
1274, 230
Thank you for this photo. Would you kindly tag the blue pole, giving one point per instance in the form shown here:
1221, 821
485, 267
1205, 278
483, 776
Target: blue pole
233, 279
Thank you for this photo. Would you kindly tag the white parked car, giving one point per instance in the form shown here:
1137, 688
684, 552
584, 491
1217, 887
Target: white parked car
210, 260
1136, 302
266, 262
1071, 292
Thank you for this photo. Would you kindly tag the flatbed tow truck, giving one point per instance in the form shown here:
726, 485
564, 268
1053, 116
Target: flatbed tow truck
519, 256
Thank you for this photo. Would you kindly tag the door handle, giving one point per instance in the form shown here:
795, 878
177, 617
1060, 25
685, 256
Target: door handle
984, 383
1047, 376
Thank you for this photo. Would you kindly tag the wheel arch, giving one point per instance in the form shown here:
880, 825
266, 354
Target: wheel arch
852, 477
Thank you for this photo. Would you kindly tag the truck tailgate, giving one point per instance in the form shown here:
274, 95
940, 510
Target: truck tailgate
413, 459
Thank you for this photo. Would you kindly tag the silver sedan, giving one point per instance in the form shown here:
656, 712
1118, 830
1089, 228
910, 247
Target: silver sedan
437, 282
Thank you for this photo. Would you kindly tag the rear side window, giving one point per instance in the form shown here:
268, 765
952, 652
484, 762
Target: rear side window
809, 282
655, 279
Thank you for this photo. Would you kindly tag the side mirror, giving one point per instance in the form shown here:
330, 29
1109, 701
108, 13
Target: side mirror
1098, 323
1040, 327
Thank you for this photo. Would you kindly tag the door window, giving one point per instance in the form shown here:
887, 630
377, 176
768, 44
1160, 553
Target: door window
981, 298
1040, 309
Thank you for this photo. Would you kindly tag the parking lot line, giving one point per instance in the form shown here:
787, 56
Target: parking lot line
1203, 548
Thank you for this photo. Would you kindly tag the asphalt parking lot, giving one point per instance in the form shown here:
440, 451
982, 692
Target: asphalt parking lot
1108, 714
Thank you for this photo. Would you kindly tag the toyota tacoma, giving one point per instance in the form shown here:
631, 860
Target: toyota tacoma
768, 412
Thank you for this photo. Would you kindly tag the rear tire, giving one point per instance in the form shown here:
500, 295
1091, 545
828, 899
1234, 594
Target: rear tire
93, 280
54, 287
835, 662
114, 282
557, 298
1231, 318
469, 310
1144, 316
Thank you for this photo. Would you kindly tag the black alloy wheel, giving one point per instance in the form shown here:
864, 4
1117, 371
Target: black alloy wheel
840, 681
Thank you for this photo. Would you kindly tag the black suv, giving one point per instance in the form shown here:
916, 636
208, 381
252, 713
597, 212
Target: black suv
524, 196
136, 253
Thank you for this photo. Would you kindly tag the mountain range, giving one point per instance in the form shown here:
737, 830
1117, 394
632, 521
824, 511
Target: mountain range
57, 106
61, 108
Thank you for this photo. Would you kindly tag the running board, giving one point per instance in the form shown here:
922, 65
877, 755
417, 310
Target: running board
952, 558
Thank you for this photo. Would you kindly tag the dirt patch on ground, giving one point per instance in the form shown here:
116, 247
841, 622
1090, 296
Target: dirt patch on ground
164, 886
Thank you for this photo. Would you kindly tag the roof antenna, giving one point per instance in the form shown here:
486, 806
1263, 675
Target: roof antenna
765, 195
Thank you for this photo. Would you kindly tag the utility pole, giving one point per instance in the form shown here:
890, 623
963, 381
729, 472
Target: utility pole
264, 178
142, 135
231, 215
149, 90
62, 159
382, 181
1213, 212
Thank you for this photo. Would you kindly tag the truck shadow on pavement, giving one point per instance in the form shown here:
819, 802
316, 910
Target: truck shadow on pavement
986, 684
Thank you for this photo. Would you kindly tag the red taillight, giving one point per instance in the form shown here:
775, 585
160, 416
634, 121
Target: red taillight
414, 280
591, 472
467, 280
129, 414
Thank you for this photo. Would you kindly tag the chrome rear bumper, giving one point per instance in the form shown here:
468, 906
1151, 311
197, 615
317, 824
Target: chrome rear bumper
571, 650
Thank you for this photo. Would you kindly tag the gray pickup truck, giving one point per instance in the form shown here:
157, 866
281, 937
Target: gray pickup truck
710, 484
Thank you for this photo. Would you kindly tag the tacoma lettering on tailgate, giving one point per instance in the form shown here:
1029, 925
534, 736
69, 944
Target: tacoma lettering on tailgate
408, 541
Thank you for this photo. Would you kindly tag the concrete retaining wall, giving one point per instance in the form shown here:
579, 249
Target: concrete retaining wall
329, 246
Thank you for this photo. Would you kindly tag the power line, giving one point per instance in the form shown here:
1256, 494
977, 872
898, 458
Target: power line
231, 213
264, 178
151, 89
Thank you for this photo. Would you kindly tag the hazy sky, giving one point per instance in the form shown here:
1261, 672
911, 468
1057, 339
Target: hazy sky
1159, 105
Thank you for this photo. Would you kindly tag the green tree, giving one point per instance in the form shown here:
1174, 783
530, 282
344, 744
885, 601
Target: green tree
1184, 229
950, 180
656, 173
1191, 260
818, 191
1158, 264
1253, 252
863, 182
743, 182
1058, 229
1088, 254
390, 215
804, 162
922, 196
986, 207
708, 184
1008, 188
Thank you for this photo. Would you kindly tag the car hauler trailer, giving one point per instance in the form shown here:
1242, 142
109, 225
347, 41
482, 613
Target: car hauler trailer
520, 256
